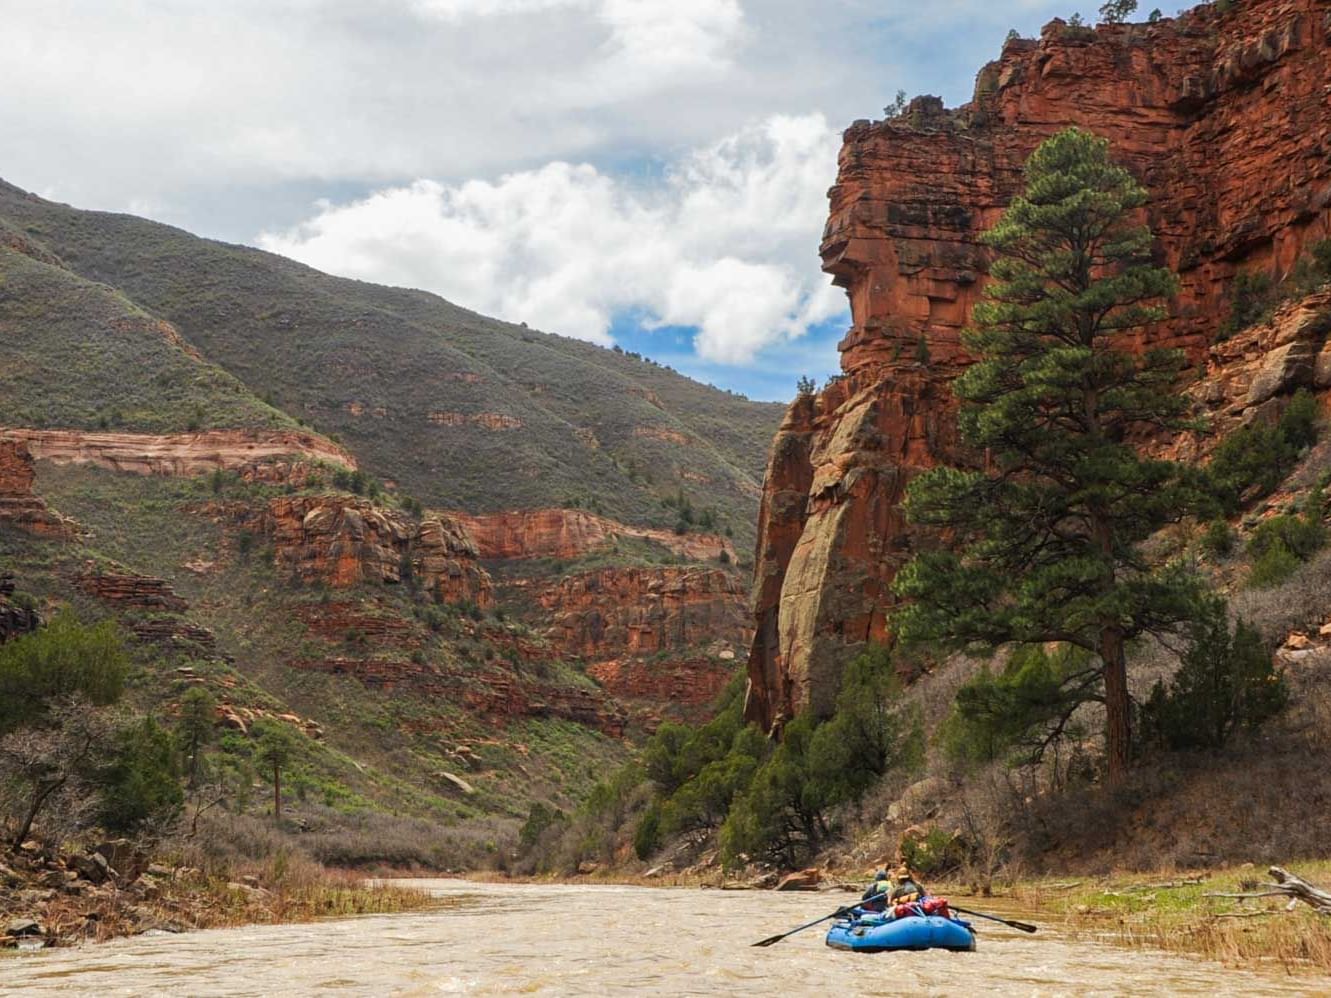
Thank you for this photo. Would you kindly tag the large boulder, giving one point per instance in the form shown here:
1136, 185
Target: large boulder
801, 880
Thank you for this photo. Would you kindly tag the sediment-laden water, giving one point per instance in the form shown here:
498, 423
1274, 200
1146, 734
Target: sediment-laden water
496, 939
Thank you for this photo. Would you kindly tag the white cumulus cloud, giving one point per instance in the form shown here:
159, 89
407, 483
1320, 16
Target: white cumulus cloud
721, 243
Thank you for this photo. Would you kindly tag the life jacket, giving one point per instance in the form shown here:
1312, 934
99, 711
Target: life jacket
907, 891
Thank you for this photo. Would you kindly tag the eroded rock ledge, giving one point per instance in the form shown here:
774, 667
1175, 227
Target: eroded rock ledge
569, 533
179, 454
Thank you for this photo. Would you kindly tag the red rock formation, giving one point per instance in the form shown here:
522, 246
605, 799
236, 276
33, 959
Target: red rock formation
569, 533
685, 686
1222, 115
128, 591
617, 612
184, 454
338, 620
344, 541
19, 506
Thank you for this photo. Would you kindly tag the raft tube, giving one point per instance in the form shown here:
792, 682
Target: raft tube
878, 934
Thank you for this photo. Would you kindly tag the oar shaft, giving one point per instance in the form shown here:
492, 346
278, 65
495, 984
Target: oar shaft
1023, 926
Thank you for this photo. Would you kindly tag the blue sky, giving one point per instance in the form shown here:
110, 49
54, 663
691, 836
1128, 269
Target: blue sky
650, 173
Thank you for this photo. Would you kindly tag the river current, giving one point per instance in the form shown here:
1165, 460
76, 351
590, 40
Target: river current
493, 939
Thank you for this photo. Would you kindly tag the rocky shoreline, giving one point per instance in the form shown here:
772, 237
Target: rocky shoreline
112, 890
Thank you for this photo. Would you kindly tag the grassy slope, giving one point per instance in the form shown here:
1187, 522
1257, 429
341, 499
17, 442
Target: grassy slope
79, 354
315, 345
383, 747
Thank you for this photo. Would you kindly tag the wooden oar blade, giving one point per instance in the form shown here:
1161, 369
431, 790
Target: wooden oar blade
770, 940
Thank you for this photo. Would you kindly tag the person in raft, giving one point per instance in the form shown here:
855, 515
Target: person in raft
908, 898
877, 894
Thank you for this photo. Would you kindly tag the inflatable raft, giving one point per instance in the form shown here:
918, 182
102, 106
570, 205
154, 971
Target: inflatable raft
874, 933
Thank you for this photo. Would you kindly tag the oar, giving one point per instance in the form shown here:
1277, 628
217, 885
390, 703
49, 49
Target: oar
1023, 926
776, 939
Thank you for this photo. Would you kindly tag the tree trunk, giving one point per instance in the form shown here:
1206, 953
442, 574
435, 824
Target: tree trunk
39, 798
277, 794
1118, 708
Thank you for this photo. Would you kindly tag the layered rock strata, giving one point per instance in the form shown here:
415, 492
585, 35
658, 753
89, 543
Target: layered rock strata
179, 454
1222, 114
570, 533
19, 505
344, 541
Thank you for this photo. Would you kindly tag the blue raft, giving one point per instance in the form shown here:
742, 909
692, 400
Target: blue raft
874, 933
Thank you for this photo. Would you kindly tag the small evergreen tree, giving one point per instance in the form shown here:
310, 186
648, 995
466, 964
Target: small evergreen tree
1227, 681
1046, 539
275, 749
1117, 11
141, 786
195, 729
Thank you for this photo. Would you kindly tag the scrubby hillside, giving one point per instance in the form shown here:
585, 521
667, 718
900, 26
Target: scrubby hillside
455, 409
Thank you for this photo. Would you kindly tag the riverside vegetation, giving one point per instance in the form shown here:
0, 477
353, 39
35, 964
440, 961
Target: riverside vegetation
106, 811
1072, 557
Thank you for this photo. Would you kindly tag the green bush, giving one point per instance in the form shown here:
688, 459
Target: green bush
1253, 297
141, 785
647, 836
1273, 567
785, 814
935, 853
63, 659
1218, 539
1254, 459
1227, 681
1279, 545
1014, 714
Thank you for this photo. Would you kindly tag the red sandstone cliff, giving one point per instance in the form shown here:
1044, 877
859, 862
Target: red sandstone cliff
343, 541
19, 505
568, 533
1225, 117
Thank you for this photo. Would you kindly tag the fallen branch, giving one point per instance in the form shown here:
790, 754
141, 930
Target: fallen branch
1246, 914
1245, 897
1298, 888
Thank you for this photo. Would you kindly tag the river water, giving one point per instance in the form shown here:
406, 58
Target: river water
494, 939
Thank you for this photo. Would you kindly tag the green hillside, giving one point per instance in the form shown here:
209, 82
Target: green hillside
457, 409
80, 354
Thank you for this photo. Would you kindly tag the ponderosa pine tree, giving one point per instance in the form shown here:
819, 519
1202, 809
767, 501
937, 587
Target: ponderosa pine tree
1045, 540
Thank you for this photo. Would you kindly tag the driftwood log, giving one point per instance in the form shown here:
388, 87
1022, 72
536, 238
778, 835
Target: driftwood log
1286, 884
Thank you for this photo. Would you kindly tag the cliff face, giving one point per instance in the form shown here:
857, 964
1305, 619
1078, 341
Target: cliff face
19, 505
570, 533
344, 541
1226, 120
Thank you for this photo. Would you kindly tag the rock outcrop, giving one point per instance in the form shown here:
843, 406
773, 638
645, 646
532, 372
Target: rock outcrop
16, 617
619, 612
182, 454
1222, 114
569, 533
19, 505
344, 541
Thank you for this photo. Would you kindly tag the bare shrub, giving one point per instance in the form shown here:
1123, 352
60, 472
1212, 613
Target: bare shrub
1301, 602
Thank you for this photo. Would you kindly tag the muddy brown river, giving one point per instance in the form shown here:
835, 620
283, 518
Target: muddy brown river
495, 939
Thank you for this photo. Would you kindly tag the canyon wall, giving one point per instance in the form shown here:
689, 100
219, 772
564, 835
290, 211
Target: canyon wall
570, 533
1224, 116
